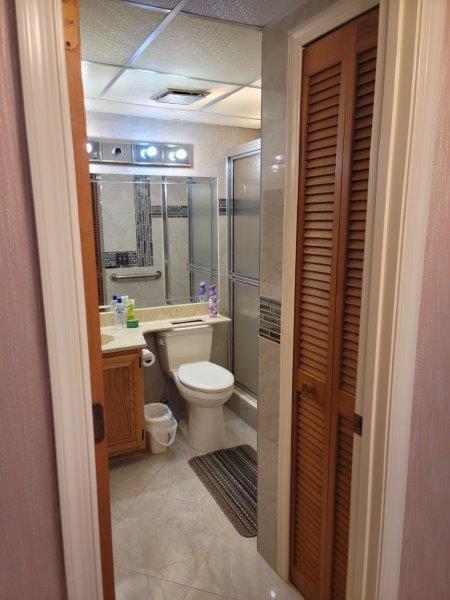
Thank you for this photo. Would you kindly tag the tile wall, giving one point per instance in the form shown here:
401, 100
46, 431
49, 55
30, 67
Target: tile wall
274, 77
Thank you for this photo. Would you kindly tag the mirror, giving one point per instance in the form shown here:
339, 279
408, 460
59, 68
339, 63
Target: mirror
156, 237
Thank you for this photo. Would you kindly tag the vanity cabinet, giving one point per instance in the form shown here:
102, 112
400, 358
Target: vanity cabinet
124, 402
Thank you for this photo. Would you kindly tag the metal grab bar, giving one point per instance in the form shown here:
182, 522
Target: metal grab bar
116, 277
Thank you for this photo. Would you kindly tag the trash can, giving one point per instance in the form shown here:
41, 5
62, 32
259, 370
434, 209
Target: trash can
160, 427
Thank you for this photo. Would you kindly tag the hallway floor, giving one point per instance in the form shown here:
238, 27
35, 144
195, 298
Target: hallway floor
172, 541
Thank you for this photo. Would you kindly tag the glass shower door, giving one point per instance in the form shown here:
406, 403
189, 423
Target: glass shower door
203, 230
244, 211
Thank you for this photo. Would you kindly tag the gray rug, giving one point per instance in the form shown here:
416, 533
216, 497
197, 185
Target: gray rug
230, 477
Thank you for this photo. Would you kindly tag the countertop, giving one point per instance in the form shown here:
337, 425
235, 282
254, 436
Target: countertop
115, 340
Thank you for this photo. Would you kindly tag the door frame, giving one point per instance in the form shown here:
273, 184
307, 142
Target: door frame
236, 153
410, 48
388, 335
52, 165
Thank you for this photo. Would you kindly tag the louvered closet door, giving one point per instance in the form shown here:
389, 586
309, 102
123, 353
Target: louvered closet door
337, 99
348, 298
322, 122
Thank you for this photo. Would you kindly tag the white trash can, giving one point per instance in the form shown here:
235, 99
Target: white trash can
160, 427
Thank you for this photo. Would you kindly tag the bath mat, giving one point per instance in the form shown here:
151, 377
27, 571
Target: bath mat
230, 477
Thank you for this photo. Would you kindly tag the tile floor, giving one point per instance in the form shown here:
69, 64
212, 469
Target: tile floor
171, 540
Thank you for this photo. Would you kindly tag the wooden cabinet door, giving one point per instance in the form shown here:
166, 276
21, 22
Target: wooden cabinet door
124, 399
338, 79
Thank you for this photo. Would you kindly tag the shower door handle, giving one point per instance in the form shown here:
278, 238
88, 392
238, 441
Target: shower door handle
134, 276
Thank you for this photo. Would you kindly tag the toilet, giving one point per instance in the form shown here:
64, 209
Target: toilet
184, 354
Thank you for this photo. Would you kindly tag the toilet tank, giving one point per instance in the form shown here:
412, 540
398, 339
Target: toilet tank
184, 344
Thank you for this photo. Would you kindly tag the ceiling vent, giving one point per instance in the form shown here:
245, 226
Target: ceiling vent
183, 97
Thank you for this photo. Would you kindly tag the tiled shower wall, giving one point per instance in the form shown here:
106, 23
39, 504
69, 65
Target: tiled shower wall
274, 73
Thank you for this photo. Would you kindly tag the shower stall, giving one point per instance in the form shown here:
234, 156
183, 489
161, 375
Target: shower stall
244, 171
156, 237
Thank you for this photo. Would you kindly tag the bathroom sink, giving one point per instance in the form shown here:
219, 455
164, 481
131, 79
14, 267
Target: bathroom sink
106, 338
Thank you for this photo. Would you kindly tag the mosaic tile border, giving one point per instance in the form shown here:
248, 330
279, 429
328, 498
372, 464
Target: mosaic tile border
110, 260
177, 211
270, 319
173, 211
143, 216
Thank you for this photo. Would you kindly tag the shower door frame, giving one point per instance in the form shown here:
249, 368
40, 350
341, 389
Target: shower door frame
236, 153
194, 267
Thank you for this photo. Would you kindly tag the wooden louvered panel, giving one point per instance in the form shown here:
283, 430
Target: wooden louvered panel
341, 517
348, 302
322, 131
357, 208
309, 491
338, 86
318, 218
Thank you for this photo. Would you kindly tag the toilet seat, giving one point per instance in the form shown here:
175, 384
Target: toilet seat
205, 376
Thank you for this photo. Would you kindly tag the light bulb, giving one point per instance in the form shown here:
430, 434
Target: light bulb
89, 147
149, 152
181, 154
152, 151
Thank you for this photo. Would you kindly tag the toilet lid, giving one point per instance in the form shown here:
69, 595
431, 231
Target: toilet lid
205, 376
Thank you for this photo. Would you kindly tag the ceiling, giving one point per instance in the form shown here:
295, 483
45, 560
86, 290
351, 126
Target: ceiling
132, 52
258, 13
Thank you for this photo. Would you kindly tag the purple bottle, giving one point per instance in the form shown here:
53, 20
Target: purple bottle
202, 291
212, 302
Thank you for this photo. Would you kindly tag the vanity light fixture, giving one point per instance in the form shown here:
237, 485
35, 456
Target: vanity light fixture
155, 154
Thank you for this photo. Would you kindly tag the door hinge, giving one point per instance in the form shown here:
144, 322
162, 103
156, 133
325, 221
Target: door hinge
98, 422
70, 24
357, 424
143, 434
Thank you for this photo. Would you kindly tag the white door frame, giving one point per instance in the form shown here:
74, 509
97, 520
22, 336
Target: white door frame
411, 34
49, 137
410, 48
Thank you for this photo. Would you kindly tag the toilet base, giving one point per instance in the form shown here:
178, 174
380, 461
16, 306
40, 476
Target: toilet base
206, 428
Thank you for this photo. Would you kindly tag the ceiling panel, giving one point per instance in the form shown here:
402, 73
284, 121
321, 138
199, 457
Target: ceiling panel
244, 103
111, 31
227, 120
259, 13
205, 49
122, 108
159, 3
137, 86
96, 77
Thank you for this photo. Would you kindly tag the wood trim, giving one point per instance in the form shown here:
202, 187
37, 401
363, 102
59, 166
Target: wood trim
89, 261
48, 126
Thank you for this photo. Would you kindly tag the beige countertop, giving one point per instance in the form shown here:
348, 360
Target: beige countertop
114, 340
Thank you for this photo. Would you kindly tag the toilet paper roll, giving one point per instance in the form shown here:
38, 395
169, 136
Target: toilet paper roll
148, 358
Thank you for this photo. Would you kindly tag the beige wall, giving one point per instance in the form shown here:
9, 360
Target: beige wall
425, 572
31, 563
274, 73
210, 141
